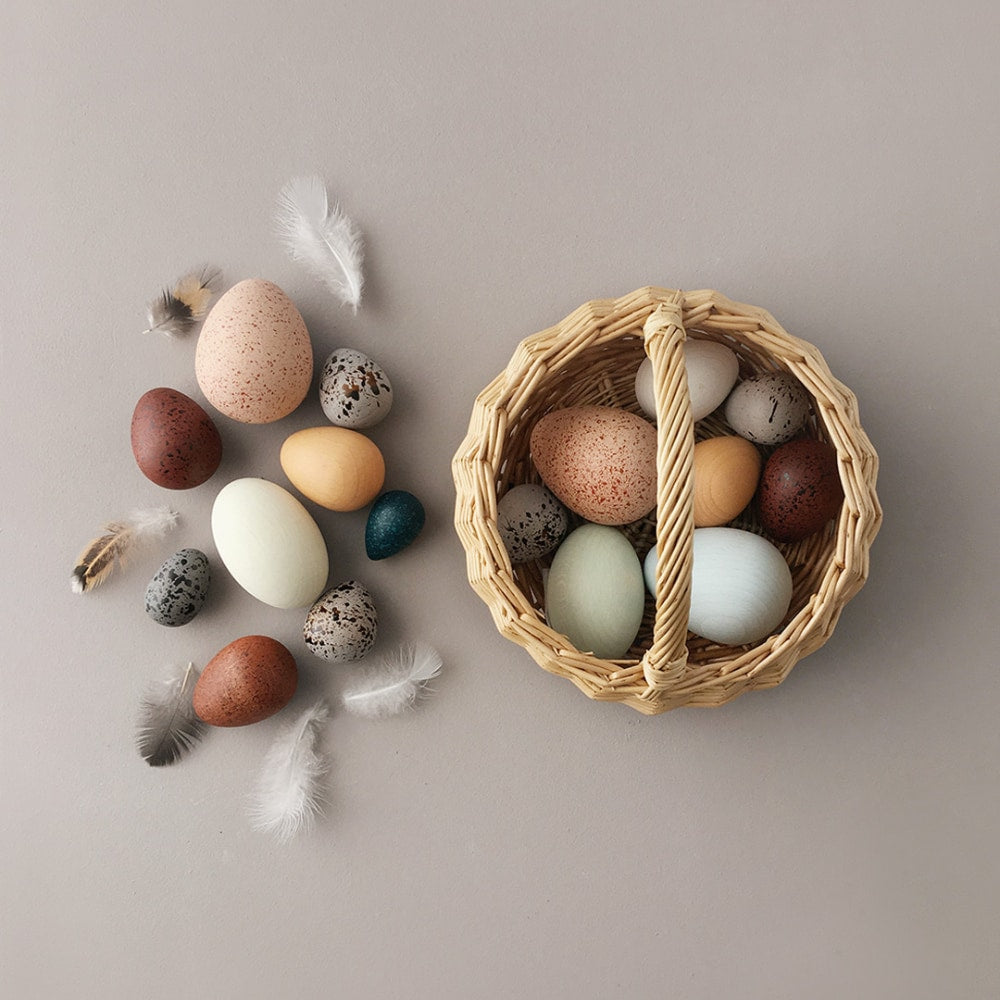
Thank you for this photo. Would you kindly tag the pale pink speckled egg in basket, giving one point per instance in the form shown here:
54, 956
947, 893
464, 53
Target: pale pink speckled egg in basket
598, 460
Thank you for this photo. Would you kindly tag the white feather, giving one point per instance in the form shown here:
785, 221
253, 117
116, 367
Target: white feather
288, 796
394, 683
326, 241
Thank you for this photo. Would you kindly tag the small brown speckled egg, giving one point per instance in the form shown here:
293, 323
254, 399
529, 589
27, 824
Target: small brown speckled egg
768, 409
245, 682
354, 391
254, 360
531, 522
599, 461
800, 490
174, 441
343, 624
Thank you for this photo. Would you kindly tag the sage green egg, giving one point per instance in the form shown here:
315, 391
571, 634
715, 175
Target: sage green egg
595, 592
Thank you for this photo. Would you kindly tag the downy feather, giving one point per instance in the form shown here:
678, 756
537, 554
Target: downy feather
178, 308
288, 796
325, 240
394, 683
118, 541
168, 727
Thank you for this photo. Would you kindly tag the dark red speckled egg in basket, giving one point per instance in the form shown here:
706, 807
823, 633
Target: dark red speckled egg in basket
800, 490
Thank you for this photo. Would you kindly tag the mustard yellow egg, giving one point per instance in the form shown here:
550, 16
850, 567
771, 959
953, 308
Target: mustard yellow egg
337, 468
726, 473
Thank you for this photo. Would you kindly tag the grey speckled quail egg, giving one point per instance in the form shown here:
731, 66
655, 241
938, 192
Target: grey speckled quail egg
768, 409
342, 625
531, 522
178, 590
354, 391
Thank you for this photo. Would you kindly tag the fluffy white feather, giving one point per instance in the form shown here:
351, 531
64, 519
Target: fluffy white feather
394, 683
289, 796
168, 727
325, 240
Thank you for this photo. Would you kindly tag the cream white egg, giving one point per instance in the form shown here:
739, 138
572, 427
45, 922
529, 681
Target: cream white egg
270, 543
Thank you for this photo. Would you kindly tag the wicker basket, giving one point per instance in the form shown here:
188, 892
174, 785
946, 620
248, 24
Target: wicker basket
592, 357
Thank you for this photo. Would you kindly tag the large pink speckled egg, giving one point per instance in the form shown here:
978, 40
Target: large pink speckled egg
254, 360
600, 461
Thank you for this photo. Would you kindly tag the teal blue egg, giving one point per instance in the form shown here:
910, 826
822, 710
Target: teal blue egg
595, 594
395, 520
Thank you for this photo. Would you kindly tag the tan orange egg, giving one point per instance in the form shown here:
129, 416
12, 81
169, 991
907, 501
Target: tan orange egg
337, 468
726, 473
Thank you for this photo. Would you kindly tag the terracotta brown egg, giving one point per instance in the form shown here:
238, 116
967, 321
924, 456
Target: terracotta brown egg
800, 490
245, 682
175, 443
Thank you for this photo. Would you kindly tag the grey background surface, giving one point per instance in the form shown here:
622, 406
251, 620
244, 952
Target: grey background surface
835, 163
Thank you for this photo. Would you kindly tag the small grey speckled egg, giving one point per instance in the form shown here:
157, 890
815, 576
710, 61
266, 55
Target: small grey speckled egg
531, 522
768, 409
342, 625
178, 590
354, 391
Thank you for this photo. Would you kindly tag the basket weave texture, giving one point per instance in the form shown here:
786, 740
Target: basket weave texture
591, 357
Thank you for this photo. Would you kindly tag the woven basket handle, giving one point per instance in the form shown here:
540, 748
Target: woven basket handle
665, 660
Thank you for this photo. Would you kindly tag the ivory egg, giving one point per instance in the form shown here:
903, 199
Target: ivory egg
594, 592
336, 467
741, 586
269, 543
712, 370
726, 473
254, 359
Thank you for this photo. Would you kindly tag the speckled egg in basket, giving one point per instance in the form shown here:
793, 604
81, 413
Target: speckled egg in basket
591, 358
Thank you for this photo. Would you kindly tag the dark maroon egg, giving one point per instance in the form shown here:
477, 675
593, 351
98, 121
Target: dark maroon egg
800, 490
174, 441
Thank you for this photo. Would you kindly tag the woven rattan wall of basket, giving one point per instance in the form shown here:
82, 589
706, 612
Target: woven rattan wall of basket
592, 357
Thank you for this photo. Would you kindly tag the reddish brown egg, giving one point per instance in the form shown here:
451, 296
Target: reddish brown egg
245, 682
800, 490
174, 441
